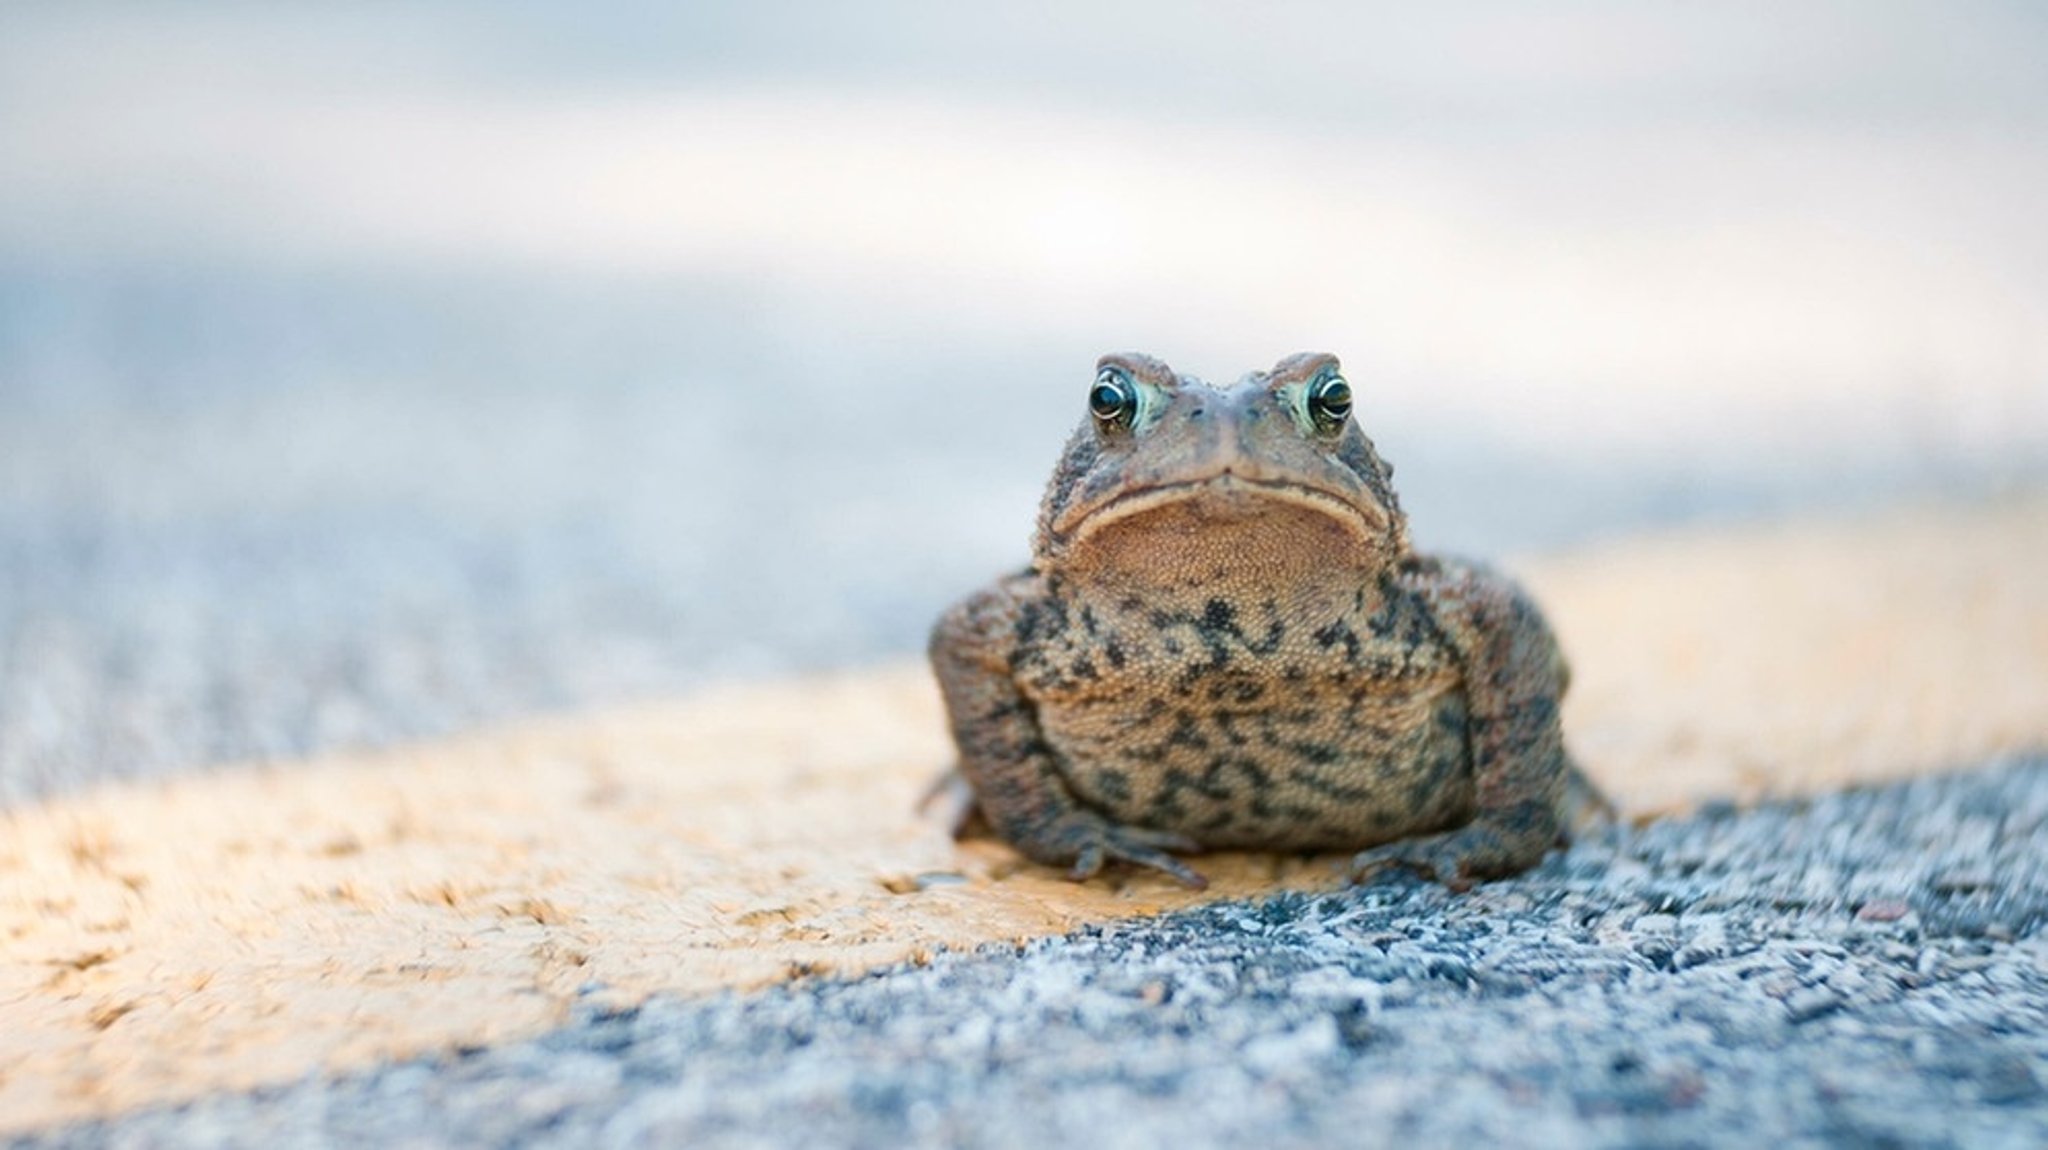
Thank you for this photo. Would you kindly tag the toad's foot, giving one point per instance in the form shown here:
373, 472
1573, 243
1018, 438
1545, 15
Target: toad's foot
1090, 841
1482, 849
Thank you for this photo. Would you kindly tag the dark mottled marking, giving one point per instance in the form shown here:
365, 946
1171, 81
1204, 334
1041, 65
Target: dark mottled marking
1209, 786
1056, 616
1166, 805
1219, 660
1226, 722
1314, 781
1147, 754
1340, 633
1276, 634
1238, 765
1427, 786
1027, 625
1115, 785
1187, 732
1320, 754
1220, 616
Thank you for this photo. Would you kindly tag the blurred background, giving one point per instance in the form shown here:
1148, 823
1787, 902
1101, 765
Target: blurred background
370, 370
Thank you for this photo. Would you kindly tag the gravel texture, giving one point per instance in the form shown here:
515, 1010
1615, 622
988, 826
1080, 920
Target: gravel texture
1865, 969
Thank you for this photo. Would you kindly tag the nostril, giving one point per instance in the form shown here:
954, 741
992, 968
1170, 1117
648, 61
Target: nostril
1195, 414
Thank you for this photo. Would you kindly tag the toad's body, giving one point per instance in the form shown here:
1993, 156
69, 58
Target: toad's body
1224, 641
1292, 715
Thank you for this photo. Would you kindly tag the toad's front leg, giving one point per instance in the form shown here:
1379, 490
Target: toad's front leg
1514, 681
1005, 758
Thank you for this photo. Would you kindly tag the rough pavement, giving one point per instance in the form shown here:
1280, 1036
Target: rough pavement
1865, 969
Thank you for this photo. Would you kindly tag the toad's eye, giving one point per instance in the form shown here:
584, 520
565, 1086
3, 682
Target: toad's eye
1329, 399
1113, 400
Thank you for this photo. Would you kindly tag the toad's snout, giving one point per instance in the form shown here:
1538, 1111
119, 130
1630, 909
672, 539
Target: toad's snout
1227, 431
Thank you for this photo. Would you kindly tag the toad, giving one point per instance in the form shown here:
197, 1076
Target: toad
1225, 641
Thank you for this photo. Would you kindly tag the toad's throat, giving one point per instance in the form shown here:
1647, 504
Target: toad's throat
1228, 497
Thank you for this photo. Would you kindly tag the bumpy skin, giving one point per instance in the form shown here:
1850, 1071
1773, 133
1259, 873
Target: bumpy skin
1225, 641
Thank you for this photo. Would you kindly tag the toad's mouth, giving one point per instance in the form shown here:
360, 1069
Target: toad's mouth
1232, 497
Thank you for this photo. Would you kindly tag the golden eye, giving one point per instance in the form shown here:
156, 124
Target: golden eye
1329, 399
1113, 400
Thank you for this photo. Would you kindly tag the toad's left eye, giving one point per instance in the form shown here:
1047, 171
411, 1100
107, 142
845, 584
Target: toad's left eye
1329, 399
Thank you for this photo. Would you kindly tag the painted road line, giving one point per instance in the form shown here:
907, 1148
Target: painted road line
160, 942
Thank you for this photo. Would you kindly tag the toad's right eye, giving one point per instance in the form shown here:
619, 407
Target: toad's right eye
1113, 400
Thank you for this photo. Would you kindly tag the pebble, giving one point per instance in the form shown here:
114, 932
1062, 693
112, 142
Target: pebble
1809, 1003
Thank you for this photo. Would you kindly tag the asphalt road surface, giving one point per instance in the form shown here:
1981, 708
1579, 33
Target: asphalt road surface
1868, 969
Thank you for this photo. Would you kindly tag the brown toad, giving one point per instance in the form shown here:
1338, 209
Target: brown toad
1225, 641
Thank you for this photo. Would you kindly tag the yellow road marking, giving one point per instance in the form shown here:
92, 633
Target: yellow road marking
159, 942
